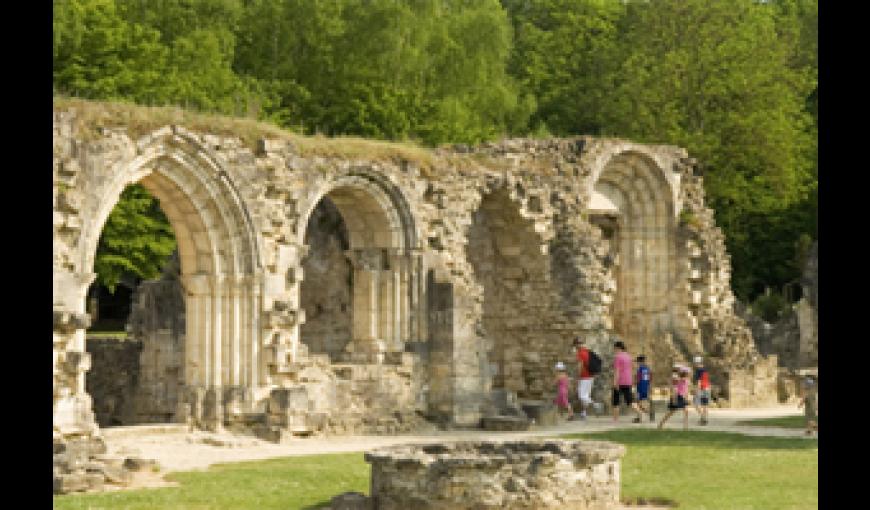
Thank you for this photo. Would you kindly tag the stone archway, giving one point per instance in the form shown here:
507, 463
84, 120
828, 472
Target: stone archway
361, 252
633, 206
220, 268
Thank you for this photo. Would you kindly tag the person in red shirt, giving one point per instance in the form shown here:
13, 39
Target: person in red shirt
585, 379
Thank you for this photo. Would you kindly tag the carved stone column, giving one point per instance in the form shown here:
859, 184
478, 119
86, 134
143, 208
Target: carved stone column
368, 343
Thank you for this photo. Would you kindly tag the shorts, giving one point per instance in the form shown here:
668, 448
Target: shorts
642, 393
625, 391
678, 403
584, 389
702, 397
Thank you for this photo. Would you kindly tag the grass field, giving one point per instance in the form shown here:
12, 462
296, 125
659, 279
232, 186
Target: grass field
789, 422
697, 470
276, 484
717, 470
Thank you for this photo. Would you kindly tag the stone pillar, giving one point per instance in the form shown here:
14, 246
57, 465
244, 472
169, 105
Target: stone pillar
370, 298
197, 290
72, 413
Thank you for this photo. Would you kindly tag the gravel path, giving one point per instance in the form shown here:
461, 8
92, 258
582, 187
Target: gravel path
177, 450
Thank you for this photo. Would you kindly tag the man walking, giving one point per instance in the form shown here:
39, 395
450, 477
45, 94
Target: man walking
623, 379
584, 376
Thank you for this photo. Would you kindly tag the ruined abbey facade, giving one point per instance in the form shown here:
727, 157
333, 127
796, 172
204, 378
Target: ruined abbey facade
343, 292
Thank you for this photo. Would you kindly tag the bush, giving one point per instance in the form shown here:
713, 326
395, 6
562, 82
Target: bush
770, 306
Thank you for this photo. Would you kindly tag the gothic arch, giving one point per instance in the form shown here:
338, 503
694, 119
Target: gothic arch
221, 267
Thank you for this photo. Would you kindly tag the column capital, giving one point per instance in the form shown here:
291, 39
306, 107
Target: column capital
197, 283
369, 259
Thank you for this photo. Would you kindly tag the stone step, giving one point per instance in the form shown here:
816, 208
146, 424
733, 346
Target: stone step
110, 433
505, 423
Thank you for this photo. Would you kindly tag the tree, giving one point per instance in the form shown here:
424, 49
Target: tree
100, 56
717, 77
136, 240
565, 56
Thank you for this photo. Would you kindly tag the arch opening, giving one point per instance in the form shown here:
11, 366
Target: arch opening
632, 206
212, 349
136, 338
358, 287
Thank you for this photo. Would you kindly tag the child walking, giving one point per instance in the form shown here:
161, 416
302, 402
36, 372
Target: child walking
679, 396
810, 402
562, 385
642, 383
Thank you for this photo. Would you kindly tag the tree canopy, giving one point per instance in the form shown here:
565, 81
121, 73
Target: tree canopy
733, 81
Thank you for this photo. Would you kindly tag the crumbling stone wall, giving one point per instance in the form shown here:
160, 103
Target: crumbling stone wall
327, 284
157, 322
113, 378
470, 270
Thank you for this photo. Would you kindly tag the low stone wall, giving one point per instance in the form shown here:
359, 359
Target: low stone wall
489, 475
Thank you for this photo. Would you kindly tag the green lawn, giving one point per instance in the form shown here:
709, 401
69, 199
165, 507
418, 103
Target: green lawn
789, 422
698, 470
279, 484
717, 470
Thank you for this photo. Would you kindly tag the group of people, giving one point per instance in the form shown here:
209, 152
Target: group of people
629, 383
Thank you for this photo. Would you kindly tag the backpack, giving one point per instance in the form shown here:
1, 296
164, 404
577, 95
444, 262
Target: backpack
594, 363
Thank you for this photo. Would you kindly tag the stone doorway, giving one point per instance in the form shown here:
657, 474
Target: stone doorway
136, 338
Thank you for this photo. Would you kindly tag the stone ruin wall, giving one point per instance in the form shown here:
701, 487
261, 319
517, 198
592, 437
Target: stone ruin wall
794, 338
468, 275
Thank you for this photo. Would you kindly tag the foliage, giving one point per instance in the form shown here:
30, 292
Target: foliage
717, 470
279, 484
770, 307
717, 78
564, 55
136, 239
735, 82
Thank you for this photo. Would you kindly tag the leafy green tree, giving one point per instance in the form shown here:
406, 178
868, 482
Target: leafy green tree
717, 77
136, 239
428, 69
100, 56
565, 55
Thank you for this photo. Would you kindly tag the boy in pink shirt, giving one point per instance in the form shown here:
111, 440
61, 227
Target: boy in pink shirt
623, 379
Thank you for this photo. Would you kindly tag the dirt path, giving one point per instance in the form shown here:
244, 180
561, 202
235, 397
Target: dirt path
177, 450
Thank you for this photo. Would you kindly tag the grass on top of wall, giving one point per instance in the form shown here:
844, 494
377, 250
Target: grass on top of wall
92, 116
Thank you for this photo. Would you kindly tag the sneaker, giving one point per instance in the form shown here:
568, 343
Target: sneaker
583, 415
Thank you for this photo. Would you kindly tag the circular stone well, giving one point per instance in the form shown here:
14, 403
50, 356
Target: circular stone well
487, 475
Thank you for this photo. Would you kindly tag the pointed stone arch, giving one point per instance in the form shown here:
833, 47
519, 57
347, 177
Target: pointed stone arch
221, 266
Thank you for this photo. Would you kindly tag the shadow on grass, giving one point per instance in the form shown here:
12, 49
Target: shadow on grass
317, 506
724, 440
